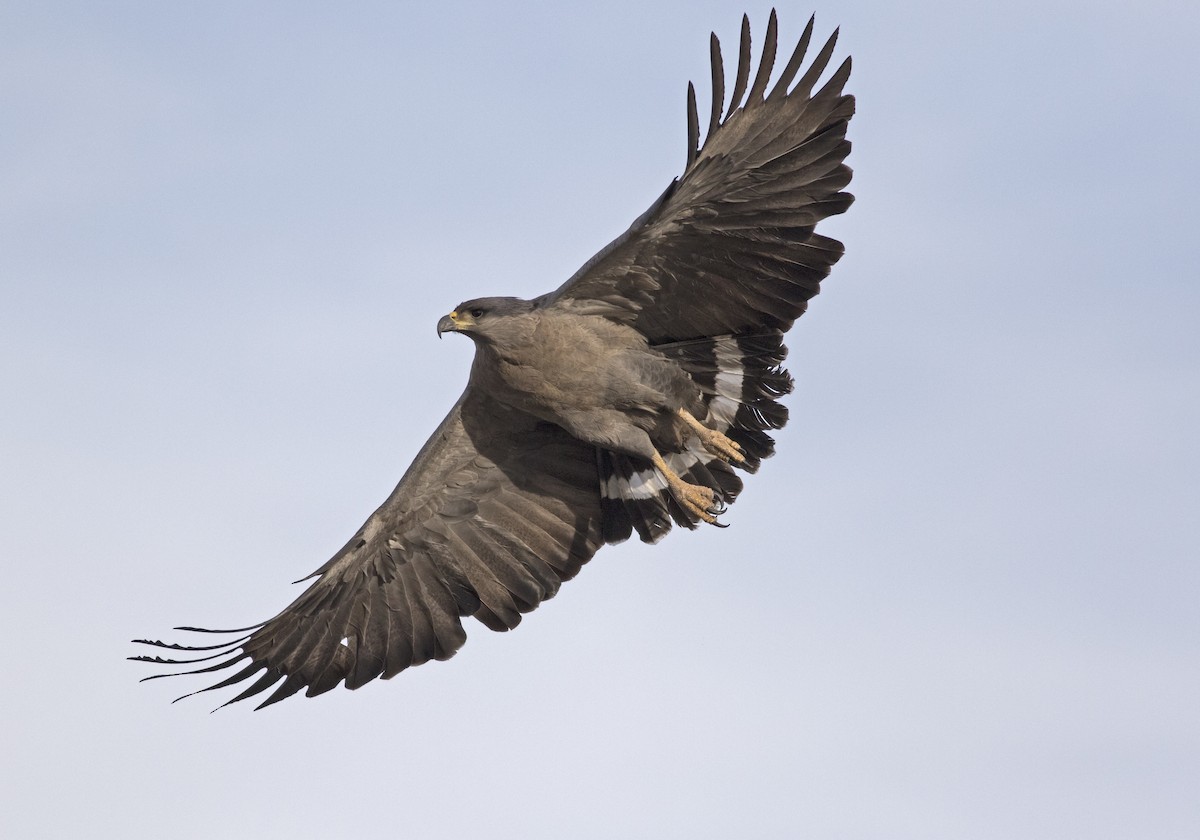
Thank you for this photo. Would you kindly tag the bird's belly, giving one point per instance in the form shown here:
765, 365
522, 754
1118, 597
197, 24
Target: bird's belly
575, 371
549, 390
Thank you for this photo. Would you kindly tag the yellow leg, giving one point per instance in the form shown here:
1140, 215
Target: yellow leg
715, 442
699, 501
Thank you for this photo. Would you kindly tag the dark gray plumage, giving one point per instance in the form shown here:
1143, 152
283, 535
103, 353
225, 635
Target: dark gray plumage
621, 402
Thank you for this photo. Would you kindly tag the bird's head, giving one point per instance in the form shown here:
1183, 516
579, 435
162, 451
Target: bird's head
483, 318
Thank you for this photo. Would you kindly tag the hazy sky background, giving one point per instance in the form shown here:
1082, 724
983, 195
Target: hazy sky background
962, 602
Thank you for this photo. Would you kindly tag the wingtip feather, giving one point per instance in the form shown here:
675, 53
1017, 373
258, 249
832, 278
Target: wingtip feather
693, 126
793, 65
743, 68
718, 85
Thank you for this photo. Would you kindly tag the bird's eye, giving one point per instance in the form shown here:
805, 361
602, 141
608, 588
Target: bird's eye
476, 313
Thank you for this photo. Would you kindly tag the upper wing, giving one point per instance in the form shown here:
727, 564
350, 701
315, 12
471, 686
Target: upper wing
730, 246
495, 512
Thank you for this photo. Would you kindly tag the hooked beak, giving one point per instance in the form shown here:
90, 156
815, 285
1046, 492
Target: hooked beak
449, 323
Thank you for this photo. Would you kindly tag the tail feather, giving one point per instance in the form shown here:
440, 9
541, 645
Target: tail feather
741, 381
634, 497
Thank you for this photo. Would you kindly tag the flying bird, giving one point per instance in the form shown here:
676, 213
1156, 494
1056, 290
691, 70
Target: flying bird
627, 400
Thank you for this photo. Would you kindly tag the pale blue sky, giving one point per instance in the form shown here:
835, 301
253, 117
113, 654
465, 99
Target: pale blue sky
962, 602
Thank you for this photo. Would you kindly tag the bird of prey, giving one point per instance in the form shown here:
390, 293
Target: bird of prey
624, 401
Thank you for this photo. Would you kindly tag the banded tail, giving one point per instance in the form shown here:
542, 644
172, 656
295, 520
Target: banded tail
742, 381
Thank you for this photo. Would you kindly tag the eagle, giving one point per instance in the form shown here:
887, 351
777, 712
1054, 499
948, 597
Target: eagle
626, 401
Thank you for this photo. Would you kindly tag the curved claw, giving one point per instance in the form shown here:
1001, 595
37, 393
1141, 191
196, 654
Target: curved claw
701, 502
698, 501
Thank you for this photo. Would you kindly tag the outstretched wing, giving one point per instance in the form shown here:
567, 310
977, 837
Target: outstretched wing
730, 246
495, 512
